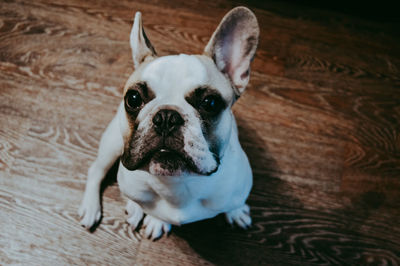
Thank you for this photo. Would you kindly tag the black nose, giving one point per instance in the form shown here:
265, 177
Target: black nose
167, 121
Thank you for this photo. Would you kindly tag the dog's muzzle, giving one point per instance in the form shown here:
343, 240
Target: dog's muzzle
161, 148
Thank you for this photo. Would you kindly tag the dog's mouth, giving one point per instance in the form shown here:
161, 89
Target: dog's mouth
163, 161
167, 156
168, 162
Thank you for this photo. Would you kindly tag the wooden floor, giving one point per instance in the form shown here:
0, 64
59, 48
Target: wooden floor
320, 123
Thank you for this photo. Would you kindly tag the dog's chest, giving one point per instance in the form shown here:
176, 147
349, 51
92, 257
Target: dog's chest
179, 200
147, 190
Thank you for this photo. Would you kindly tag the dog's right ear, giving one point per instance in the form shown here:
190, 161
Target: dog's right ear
142, 49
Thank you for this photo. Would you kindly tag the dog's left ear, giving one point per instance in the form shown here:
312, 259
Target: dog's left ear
142, 49
233, 45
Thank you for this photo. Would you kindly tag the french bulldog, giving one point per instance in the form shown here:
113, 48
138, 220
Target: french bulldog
175, 133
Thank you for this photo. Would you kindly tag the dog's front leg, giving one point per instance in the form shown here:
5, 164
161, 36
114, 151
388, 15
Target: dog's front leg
111, 147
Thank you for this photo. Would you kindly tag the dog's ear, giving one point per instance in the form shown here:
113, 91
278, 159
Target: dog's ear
233, 45
142, 49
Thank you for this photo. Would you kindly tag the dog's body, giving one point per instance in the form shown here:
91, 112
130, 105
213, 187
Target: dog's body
181, 160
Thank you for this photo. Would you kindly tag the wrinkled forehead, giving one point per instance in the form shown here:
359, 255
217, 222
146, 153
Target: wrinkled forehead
179, 74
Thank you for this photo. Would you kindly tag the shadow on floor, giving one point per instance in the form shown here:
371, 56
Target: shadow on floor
217, 242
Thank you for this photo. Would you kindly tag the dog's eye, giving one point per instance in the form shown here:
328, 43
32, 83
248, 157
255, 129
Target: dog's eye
133, 99
212, 104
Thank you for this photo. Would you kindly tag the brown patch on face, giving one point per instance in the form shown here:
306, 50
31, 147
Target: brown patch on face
136, 97
209, 104
139, 149
198, 97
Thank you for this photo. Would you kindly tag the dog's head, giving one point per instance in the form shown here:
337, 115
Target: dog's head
177, 108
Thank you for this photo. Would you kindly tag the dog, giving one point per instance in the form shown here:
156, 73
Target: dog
175, 133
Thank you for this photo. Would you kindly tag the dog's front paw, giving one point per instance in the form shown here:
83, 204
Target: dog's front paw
135, 214
240, 216
154, 228
90, 212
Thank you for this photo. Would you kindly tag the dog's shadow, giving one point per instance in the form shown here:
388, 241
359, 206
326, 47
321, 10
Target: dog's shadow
216, 241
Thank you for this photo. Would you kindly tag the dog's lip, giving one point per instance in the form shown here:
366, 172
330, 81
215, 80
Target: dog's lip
165, 151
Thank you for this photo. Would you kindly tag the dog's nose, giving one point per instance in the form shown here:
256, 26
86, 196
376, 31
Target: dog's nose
167, 121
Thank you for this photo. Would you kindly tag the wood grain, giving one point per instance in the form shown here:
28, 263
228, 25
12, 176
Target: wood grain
320, 122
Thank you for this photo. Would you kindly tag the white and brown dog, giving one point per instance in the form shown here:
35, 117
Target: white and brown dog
175, 133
